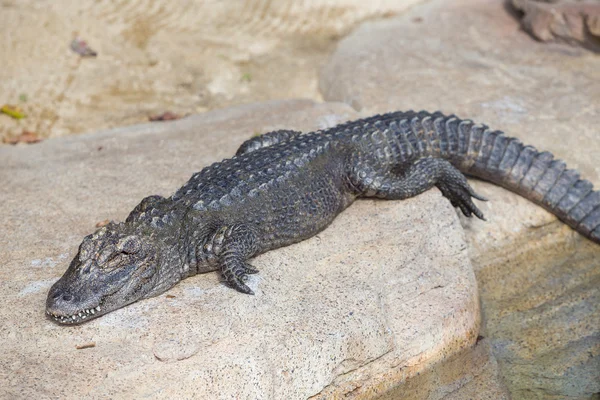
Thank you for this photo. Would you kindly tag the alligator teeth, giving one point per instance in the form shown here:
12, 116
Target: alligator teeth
80, 314
74, 317
98, 308
92, 311
87, 311
84, 317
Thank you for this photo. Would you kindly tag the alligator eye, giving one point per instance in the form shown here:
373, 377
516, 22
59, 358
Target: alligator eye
113, 262
129, 245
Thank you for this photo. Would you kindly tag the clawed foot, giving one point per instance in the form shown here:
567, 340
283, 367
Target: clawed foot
237, 275
459, 192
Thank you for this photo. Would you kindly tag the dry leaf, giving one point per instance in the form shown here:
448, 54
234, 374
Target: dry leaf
13, 111
166, 116
102, 223
26, 137
81, 47
85, 345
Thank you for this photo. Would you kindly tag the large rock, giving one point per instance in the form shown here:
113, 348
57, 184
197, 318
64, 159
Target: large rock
541, 311
538, 278
382, 294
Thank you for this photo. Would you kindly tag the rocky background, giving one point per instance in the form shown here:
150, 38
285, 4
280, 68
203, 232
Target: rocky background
154, 56
396, 300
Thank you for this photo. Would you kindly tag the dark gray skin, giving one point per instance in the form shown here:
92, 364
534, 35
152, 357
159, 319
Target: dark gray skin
284, 187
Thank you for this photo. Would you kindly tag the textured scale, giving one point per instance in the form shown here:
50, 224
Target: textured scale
283, 187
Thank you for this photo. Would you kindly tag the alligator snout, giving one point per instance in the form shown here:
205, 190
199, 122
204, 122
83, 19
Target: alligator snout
60, 301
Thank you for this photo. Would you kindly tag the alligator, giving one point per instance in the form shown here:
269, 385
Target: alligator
286, 186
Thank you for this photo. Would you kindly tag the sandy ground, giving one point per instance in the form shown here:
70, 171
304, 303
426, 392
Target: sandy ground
156, 56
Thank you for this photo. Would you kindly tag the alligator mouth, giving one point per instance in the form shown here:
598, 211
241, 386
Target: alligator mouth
75, 318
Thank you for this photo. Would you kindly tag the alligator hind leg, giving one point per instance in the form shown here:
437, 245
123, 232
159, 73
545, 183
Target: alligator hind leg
265, 140
415, 178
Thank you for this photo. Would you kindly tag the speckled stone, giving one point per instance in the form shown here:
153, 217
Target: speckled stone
382, 294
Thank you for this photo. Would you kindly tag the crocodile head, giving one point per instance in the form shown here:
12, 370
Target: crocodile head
114, 266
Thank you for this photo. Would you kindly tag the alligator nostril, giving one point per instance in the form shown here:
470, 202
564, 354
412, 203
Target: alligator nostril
56, 295
67, 297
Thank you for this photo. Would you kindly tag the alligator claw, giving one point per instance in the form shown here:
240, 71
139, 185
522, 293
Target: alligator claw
240, 286
459, 192
236, 275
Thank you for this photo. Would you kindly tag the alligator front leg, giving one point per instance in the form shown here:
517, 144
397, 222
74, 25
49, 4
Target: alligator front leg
233, 245
401, 183
265, 140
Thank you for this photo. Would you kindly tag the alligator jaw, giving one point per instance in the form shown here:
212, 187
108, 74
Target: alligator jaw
76, 318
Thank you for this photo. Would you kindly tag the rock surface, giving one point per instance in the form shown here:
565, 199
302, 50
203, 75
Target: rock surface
159, 55
470, 374
382, 294
538, 279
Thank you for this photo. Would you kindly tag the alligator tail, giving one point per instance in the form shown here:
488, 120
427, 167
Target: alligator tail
505, 161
